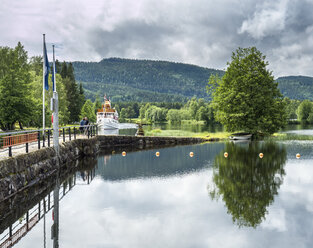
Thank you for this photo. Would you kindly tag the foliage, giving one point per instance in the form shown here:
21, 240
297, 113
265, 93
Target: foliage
157, 80
97, 104
296, 87
16, 103
291, 108
88, 111
247, 97
156, 114
304, 110
73, 95
247, 183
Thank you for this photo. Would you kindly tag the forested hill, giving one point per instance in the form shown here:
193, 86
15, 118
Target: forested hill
162, 81
296, 87
143, 80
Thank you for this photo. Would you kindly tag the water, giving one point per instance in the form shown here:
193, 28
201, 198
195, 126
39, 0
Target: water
175, 200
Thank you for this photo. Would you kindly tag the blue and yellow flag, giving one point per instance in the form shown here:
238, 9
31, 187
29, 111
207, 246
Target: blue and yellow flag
46, 66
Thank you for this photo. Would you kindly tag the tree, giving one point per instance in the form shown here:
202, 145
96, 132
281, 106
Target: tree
304, 110
246, 97
16, 104
97, 104
88, 111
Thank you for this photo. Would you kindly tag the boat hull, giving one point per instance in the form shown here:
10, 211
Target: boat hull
241, 137
108, 124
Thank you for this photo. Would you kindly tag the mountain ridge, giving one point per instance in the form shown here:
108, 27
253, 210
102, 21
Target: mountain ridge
157, 80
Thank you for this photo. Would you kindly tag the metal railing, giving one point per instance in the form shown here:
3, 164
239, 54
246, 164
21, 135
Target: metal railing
28, 220
38, 138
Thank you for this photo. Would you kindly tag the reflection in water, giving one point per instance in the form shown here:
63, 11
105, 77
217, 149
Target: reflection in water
172, 161
247, 183
21, 213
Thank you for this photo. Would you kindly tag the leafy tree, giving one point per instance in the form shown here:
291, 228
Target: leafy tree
291, 108
16, 104
88, 111
247, 183
201, 114
155, 114
193, 108
177, 115
97, 104
36, 64
247, 97
304, 110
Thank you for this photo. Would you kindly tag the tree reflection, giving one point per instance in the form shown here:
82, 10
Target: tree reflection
247, 183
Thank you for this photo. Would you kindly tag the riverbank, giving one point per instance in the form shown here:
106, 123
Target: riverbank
183, 133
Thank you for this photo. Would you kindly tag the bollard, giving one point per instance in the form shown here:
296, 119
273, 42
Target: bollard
49, 137
74, 133
69, 133
26, 147
10, 148
38, 139
43, 138
63, 134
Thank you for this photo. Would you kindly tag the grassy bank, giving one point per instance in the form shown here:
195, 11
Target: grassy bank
182, 133
289, 136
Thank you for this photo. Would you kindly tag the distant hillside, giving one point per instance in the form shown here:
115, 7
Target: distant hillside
143, 80
296, 87
153, 81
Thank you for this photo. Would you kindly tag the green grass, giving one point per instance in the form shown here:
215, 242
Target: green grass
289, 136
182, 133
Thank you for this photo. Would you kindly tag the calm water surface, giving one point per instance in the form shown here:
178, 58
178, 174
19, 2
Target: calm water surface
175, 200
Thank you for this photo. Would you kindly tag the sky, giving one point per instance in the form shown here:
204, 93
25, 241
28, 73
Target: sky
200, 32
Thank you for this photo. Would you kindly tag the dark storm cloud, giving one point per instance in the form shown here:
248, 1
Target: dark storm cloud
200, 32
133, 37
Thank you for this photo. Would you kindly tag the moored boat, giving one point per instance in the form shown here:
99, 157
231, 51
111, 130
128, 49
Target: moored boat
240, 136
107, 117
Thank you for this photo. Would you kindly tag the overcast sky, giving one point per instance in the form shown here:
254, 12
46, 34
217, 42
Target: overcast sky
201, 32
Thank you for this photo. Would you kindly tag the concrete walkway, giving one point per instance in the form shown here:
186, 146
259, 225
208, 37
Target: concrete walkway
33, 146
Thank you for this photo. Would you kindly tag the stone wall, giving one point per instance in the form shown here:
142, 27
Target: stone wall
23, 171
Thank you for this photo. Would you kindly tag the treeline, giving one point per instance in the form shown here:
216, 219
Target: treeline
127, 80
21, 91
296, 87
194, 109
198, 110
143, 80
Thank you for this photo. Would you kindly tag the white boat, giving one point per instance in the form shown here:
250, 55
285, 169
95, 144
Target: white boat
240, 136
107, 117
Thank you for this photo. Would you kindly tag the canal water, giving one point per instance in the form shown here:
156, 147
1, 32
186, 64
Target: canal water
175, 200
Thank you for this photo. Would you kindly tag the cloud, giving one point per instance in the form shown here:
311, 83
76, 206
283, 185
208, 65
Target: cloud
199, 32
269, 19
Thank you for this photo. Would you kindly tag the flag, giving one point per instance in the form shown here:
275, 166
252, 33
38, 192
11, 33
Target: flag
46, 66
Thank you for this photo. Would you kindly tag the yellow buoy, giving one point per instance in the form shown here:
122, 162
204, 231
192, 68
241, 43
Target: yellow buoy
191, 154
298, 155
157, 154
225, 154
261, 155
124, 154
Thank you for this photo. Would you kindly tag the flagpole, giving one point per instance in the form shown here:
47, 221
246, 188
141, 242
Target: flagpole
55, 107
54, 82
43, 86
